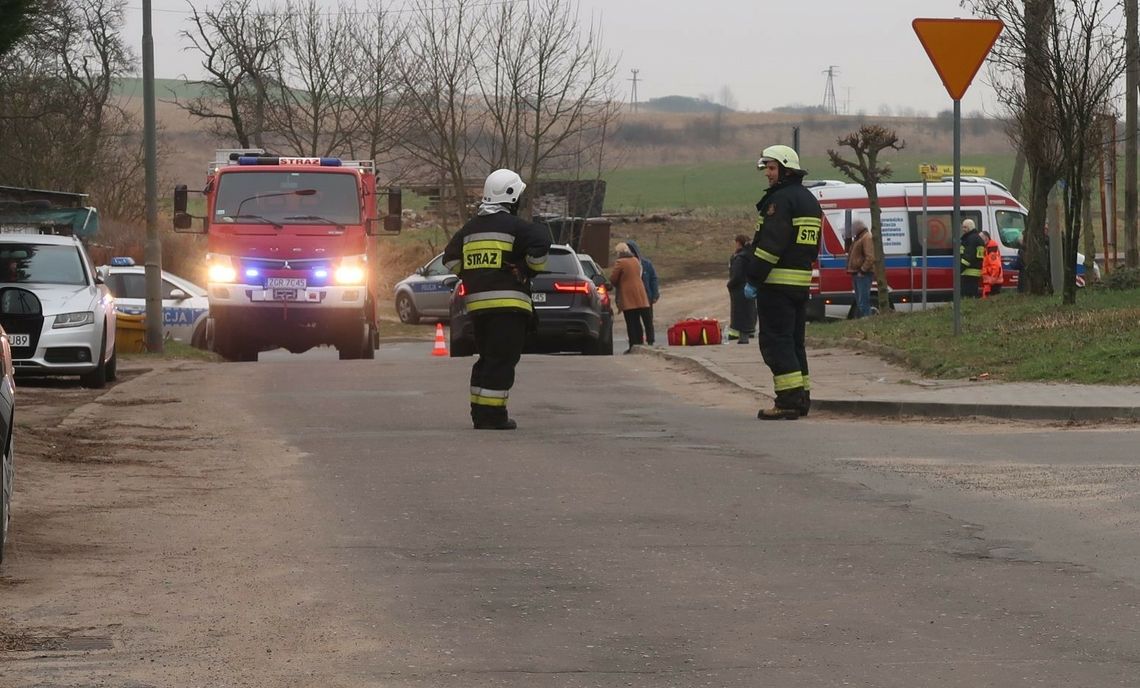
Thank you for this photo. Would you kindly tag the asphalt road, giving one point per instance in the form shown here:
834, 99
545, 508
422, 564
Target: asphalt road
641, 528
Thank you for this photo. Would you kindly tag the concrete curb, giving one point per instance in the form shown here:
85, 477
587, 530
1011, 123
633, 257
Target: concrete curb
878, 408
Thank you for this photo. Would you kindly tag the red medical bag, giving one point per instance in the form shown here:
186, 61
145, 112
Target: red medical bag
694, 332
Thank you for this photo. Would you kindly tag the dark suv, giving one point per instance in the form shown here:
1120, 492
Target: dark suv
571, 312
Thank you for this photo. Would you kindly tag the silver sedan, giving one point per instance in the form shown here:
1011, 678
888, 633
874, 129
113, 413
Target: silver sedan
426, 293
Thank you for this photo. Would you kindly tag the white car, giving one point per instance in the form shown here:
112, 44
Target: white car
185, 305
59, 316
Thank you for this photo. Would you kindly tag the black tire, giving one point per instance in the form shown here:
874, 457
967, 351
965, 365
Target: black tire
407, 310
113, 367
5, 498
603, 345
97, 379
198, 339
372, 342
356, 346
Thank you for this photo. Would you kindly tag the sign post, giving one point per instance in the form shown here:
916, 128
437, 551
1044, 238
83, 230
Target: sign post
925, 241
957, 48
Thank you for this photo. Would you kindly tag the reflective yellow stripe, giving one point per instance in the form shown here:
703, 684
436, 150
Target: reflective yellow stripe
487, 246
537, 264
807, 222
759, 222
767, 257
971, 272
807, 383
792, 277
487, 401
788, 381
521, 304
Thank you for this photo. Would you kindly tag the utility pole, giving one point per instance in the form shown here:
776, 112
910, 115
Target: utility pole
633, 95
1131, 83
847, 101
153, 251
829, 104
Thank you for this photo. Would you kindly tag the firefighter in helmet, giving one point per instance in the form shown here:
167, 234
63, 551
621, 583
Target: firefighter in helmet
495, 254
779, 267
973, 253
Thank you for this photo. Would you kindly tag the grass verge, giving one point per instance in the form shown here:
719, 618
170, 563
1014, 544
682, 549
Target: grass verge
1012, 337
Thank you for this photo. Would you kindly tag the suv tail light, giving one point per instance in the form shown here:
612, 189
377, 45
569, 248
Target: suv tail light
604, 295
579, 287
461, 290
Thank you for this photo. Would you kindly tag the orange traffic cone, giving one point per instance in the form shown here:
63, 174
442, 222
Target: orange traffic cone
440, 345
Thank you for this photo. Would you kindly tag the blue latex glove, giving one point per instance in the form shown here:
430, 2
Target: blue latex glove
749, 290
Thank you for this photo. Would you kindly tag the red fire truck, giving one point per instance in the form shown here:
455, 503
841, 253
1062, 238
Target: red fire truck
290, 261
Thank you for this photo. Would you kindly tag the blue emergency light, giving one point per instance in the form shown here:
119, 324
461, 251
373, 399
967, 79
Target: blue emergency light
281, 160
122, 261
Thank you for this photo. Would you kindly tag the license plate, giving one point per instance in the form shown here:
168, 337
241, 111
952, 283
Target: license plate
284, 294
538, 298
20, 339
285, 283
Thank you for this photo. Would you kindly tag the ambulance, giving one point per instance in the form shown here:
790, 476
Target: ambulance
987, 202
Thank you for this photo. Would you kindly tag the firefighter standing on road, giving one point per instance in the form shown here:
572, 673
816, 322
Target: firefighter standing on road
973, 252
779, 273
495, 254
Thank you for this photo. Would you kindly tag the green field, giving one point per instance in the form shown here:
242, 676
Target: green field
164, 89
737, 185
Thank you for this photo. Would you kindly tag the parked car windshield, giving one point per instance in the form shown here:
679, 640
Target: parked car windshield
40, 263
287, 198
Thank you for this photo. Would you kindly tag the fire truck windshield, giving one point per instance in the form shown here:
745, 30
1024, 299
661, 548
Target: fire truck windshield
280, 197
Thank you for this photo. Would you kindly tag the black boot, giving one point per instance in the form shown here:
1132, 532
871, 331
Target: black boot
489, 418
787, 406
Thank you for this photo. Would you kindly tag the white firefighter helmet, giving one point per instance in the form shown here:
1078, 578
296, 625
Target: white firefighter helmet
784, 155
503, 186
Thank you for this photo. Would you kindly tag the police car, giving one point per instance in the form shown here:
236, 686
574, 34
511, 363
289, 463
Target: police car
426, 293
59, 316
185, 305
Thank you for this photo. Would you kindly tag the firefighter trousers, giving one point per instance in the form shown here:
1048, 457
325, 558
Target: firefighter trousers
783, 320
499, 339
970, 286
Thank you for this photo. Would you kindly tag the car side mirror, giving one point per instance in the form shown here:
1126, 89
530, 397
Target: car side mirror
392, 222
421, 271
183, 220
178, 295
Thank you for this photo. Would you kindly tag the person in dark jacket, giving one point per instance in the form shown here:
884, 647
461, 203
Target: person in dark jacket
495, 254
742, 320
649, 279
973, 252
779, 269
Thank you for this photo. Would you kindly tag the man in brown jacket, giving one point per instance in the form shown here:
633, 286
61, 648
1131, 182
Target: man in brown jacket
861, 267
632, 299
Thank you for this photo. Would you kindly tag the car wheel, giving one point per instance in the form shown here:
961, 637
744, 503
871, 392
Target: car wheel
97, 379
113, 366
5, 495
198, 339
371, 342
603, 345
407, 310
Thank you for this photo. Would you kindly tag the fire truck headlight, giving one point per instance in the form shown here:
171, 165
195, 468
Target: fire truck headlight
351, 270
221, 269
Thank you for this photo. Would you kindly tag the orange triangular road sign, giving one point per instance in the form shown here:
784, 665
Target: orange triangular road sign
957, 47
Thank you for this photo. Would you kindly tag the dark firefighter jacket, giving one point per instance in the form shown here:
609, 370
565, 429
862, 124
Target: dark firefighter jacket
787, 237
495, 255
973, 253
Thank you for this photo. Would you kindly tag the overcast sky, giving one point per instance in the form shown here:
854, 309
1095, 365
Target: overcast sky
767, 52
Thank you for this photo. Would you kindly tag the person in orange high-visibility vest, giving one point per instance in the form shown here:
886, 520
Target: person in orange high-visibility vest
991, 267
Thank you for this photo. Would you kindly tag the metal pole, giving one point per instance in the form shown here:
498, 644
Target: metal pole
153, 252
924, 236
796, 140
956, 218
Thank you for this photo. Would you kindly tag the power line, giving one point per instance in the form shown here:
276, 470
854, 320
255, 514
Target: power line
354, 13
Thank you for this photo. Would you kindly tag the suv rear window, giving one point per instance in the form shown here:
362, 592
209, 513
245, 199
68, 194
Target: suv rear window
563, 263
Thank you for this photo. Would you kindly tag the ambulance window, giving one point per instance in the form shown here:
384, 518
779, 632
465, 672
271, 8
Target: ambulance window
942, 236
1011, 227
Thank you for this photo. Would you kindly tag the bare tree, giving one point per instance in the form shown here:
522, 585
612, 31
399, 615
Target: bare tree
376, 100
239, 44
438, 76
867, 143
308, 108
1056, 66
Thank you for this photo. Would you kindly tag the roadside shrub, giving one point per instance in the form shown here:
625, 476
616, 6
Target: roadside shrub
1120, 279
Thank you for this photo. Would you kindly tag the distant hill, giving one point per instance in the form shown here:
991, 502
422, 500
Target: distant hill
682, 104
164, 89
